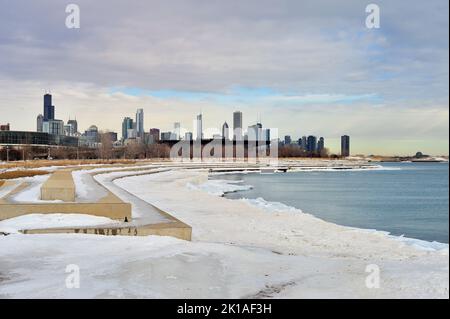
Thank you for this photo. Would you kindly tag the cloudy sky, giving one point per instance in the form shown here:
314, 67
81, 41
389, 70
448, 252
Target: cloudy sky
304, 67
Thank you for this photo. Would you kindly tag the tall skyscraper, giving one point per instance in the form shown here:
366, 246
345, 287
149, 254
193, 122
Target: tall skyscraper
237, 126
225, 131
127, 124
49, 109
311, 144
177, 130
140, 123
199, 126
304, 142
266, 134
39, 123
320, 145
345, 145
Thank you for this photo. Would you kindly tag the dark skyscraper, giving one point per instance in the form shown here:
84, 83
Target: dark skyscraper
287, 140
321, 145
311, 143
345, 145
237, 126
49, 109
39, 123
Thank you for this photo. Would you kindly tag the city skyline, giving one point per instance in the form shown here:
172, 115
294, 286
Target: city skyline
300, 69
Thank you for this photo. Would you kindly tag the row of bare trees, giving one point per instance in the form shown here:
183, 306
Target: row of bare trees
106, 150
296, 151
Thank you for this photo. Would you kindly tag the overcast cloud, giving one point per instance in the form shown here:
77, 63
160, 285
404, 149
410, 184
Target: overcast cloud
306, 67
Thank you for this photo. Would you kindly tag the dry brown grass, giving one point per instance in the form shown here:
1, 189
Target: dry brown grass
44, 163
21, 173
1, 183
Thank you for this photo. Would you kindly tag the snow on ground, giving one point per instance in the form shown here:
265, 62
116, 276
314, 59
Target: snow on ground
8, 187
32, 193
239, 249
87, 189
39, 221
161, 267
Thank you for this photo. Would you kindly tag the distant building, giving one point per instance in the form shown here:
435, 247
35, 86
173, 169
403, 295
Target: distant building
39, 123
188, 136
287, 140
127, 124
131, 133
109, 136
266, 134
36, 138
320, 145
140, 123
311, 144
92, 134
154, 135
177, 130
225, 131
166, 136
4, 127
49, 108
304, 142
74, 125
54, 127
237, 126
70, 129
345, 145
255, 132
199, 126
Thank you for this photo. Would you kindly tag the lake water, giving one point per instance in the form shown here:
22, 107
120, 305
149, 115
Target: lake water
410, 199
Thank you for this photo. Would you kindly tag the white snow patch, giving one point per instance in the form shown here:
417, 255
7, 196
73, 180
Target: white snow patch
41, 221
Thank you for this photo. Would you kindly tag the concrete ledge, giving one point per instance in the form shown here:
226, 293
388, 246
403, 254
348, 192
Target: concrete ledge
59, 186
118, 211
176, 229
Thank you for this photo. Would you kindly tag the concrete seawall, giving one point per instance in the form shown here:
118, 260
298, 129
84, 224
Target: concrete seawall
59, 186
118, 211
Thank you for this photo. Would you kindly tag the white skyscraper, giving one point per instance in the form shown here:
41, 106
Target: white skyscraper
140, 123
177, 130
199, 126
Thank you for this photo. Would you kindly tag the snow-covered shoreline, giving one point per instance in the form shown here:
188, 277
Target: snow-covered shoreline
220, 187
238, 250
